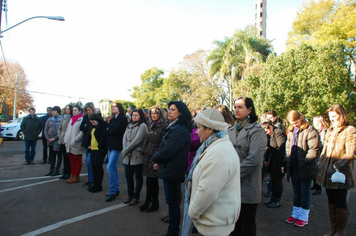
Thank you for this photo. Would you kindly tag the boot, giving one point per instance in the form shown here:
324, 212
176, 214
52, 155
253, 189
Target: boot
70, 179
333, 220
269, 202
153, 207
342, 217
145, 205
274, 204
74, 180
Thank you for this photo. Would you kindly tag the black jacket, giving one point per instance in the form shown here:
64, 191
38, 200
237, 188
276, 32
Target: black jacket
115, 132
172, 153
85, 127
100, 135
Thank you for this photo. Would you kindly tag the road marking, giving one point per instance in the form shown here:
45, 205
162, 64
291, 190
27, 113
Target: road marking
74, 220
32, 178
28, 185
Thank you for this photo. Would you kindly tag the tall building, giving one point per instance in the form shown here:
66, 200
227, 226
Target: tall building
261, 16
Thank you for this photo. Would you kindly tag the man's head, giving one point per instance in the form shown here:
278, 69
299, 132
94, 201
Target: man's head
129, 110
49, 111
271, 115
32, 111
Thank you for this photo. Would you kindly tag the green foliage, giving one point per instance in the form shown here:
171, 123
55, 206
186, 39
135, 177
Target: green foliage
308, 79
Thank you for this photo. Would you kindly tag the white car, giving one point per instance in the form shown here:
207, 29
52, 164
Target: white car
12, 130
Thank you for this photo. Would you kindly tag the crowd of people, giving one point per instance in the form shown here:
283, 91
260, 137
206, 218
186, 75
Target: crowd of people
221, 156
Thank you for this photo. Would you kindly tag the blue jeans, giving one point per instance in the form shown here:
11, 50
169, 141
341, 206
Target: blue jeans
113, 155
30, 145
301, 193
130, 171
172, 190
89, 166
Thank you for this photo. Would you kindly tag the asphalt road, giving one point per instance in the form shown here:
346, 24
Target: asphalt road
32, 204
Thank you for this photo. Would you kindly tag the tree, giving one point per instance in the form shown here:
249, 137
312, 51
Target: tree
319, 22
145, 95
308, 79
8, 74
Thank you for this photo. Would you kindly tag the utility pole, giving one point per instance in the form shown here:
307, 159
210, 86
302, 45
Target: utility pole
15, 102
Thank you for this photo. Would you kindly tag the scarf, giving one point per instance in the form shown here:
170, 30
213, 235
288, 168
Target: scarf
57, 121
187, 222
240, 125
66, 116
75, 118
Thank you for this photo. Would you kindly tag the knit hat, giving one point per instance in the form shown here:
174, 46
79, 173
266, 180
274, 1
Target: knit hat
211, 118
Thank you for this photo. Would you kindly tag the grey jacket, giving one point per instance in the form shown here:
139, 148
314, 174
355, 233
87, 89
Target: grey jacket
132, 142
62, 128
250, 144
73, 137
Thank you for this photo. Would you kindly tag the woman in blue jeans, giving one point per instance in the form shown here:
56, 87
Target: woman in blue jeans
302, 149
171, 160
114, 135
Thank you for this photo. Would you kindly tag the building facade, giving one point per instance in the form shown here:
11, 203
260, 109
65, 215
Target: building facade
261, 16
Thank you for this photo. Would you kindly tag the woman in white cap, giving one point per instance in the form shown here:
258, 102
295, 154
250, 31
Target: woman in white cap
213, 182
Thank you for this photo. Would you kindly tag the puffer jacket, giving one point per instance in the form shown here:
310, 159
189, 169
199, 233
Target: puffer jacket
308, 149
153, 140
132, 143
250, 144
172, 153
340, 152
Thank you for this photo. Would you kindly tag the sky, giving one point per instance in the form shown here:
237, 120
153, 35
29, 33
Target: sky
103, 47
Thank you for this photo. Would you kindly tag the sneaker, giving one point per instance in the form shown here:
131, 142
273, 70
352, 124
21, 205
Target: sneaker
301, 223
291, 220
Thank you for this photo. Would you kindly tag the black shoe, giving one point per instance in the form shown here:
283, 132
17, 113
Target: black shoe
317, 192
145, 205
55, 173
32, 163
268, 194
27, 163
269, 202
117, 194
86, 184
164, 217
128, 200
90, 186
66, 177
43, 162
110, 198
96, 189
62, 177
274, 204
49, 173
153, 207
134, 201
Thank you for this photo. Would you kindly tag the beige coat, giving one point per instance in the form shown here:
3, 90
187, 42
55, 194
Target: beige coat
62, 128
73, 138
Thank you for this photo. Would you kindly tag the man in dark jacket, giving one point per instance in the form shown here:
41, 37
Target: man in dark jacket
31, 128
44, 140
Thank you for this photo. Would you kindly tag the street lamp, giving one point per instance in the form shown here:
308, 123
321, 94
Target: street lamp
59, 18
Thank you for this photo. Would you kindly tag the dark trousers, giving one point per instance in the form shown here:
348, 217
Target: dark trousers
130, 172
30, 150
152, 189
66, 161
277, 187
45, 148
53, 154
338, 197
97, 159
172, 189
246, 224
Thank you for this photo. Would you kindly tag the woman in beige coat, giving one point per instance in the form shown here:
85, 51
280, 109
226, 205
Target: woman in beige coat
73, 140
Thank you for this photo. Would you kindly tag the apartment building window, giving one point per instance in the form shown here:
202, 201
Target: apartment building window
261, 14
255, 6
261, 4
255, 16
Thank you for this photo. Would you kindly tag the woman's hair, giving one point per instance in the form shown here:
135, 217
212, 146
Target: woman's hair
142, 117
120, 107
266, 124
186, 117
344, 121
197, 110
91, 106
294, 115
96, 117
159, 111
321, 120
79, 108
70, 109
248, 104
224, 110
